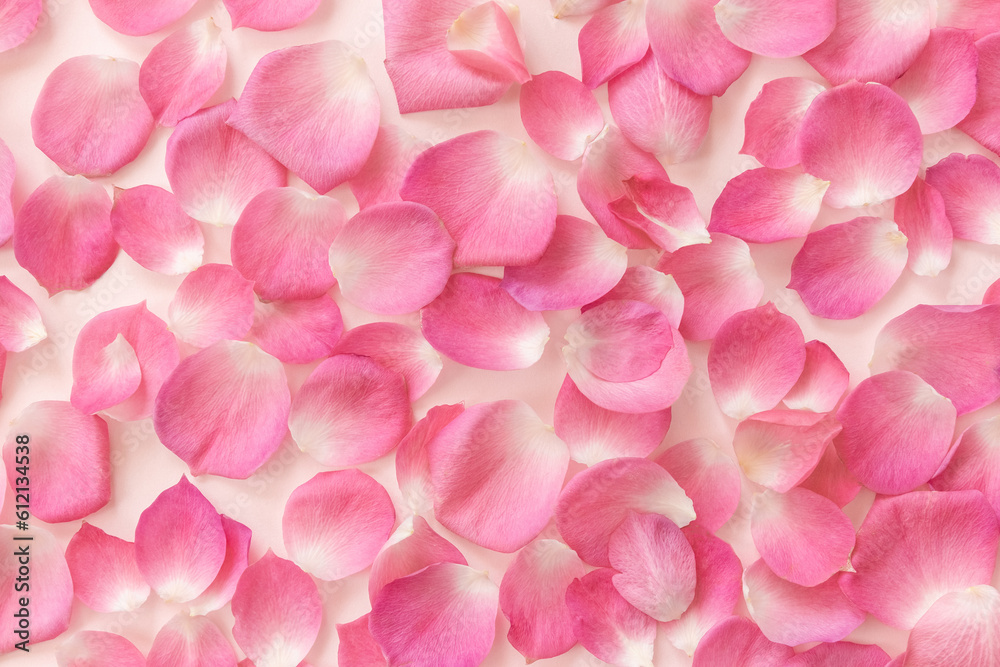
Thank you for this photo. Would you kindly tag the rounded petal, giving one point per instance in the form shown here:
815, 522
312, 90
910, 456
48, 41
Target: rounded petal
774, 119
140, 17
18, 19
780, 448
51, 586
21, 325
766, 205
606, 624
221, 590
106, 576
619, 341
921, 216
974, 462
841, 653
89, 648
212, 304
298, 332
981, 121
970, 187
560, 114
737, 641
190, 641
398, 348
823, 381
776, 28
380, 179
413, 470
357, 646
269, 15
644, 283
484, 37
152, 228
410, 549
962, 628
613, 40
709, 477
104, 376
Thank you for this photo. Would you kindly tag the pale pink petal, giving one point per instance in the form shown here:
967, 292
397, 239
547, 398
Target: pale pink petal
838, 654
664, 212
357, 647
221, 590
970, 187
560, 114
90, 648
533, 598
89, 117
380, 179
278, 612
106, 576
298, 332
832, 479
494, 198
709, 477
873, 41
17, 21
183, 71
213, 303
152, 228
269, 15
224, 410
413, 470
597, 500
613, 40
314, 108
564, 8
444, 614
780, 448
497, 470
104, 376
606, 624
477, 323
981, 122
410, 549
802, 536
978, 15
962, 628
335, 524
773, 121
644, 283
3, 367
864, 139
619, 341
69, 460
216, 170
594, 434
737, 641
920, 214
351, 410
485, 38
766, 205
51, 587
914, 548
21, 325
823, 381
8, 170
844, 269
975, 462
140, 17
717, 279
691, 48
63, 234
190, 641
396, 347
776, 28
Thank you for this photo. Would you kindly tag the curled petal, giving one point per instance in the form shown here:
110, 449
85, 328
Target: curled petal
398, 348
766, 205
737, 641
970, 187
269, 15
830, 478
776, 28
644, 283
613, 40
773, 121
410, 549
21, 325
382, 176
560, 114
780, 448
606, 624
90, 648
221, 590
298, 332
18, 19
213, 303
8, 169
709, 477
106, 576
413, 470
152, 228
842, 653
620, 341
51, 586
921, 216
962, 628
484, 37
981, 121
190, 641
975, 462
142, 17
823, 381
107, 375
665, 212
357, 646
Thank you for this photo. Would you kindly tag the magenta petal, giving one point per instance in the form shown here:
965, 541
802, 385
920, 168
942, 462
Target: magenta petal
981, 122
51, 586
221, 590
776, 28
152, 228
823, 381
269, 15
410, 549
644, 283
190, 641
140, 17
737, 641
780, 448
961, 628
484, 37
298, 332
921, 215
104, 376
89, 648
975, 462
766, 205
618, 341
18, 19
970, 186
709, 477
613, 40
357, 647
398, 348
560, 114
841, 653
8, 170
106, 576
213, 303
773, 121
382, 176
413, 469
21, 325
606, 624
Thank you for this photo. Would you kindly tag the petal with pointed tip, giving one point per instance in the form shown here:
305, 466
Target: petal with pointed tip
106, 576
484, 37
18, 19
213, 303
981, 122
298, 332
613, 40
776, 28
357, 647
104, 376
152, 228
413, 470
190, 641
8, 170
380, 179
780, 448
220, 591
970, 187
773, 121
823, 381
269, 15
141, 17
644, 283
21, 325
831, 478
709, 477
975, 462
560, 114
962, 628
606, 624
410, 549
841, 653
940, 85
51, 586
665, 212
766, 205
921, 215
737, 641
619, 341
396, 347
89, 648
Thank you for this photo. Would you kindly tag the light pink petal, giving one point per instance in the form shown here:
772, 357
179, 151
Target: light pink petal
21, 325
597, 500
106, 576
335, 524
63, 234
766, 205
331, 132
823, 381
69, 459
644, 283
613, 40
380, 179
665, 212
970, 187
8, 170
298, 332
497, 470
413, 470
190, 641
18, 19
533, 598
619, 341
216, 170
224, 410
278, 612
90, 648
975, 462
494, 198
484, 37
780, 448
709, 477
351, 410
51, 587
864, 139
213, 303
773, 121
410, 549
978, 15
655, 565
737, 641
269, 15
221, 590
920, 214
443, 614
104, 376
357, 646
717, 279
962, 628
802, 536
398, 348
831, 478
981, 122
776, 28
152, 228
140, 17
477, 323
844, 269
3, 367
691, 48
914, 548
89, 117
560, 114
716, 592
594, 434
841, 653
564, 8
606, 624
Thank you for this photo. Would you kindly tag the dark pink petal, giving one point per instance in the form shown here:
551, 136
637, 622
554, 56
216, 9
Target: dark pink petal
8, 170
961, 628
380, 179
830, 478
70, 460
920, 214
17, 21
766, 205
477, 323
494, 198
844, 269
484, 37
709, 477
619, 341
398, 348
216, 170
606, 624
21, 325
152, 228
51, 587
717, 279
106, 576
224, 410
780, 448
823, 381
190, 641
691, 48
533, 598
90, 648
298, 332
221, 590
335, 524
351, 410
802, 536
410, 549
357, 647
897, 431
975, 462
773, 121
864, 139
63, 234
776, 28
613, 40
981, 122
841, 653
914, 548
413, 470
213, 303
665, 212
597, 500
560, 114
644, 283
497, 470
269, 15
737, 641
140, 17
970, 186
104, 376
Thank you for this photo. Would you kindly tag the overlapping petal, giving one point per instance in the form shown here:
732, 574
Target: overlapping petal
413, 469
106, 576
152, 228
410, 549
962, 628
91, 648
974, 462
357, 646
774, 119
970, 187
664, 212
606, 624
921, 215
396, 347
104, 376
560, 114
780, 448
190, 641
981, 121
738, 641
709, 477
613, 40
619, 341
776, 28
644, 283
832, 479
766, 205
298, 332
823, 381
382, 176
485, 37
213, 303
220, 591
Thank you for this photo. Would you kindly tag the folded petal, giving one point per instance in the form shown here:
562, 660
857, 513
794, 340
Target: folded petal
152, 228
357, 646
216, 170
823, 381
776, 28
914, 548
981, 121
18, 19
268, 15
665, 212
832, 479
773, 121
70, 460
106, 576
413, 470
63, 234
141, 17
8, 169
644, 283
51, 586
104, 376
970, 187
484, 37
298, 332
613, 40
212, 304
350, 410
477, 323
842, 653
737, 641
974, 462
221, 590
190, 641
709, 477
780, 448
962, 628
410, 549
380, 179
21, 325
560, 114
921, 215
606, 624
620, 341
766, 205
597, 500
89, 648
398, 348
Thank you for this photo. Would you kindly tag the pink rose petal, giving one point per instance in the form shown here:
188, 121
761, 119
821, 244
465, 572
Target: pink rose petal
485, 38
823, 381
977, 15
413, 469
104, 376
298, 332
398, 348
766, 205
382, 176
920, 214
606, 624
357, 646
410, 549
961, 628
831, 478
190, 641
774, 119
780, 448
21, 325
152, 228
8, 170
269, 15
220, 591
644, 283
560, 114
619, 341
970, 187
709, 477
18, 19
140, 17
613, 40
974, 462
737, 641
106, 576
981, 122
776, 28
664, 212
213, 303
841, 653
89, 648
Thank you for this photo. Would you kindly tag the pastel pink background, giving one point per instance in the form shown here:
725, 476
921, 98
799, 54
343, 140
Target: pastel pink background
143, 468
